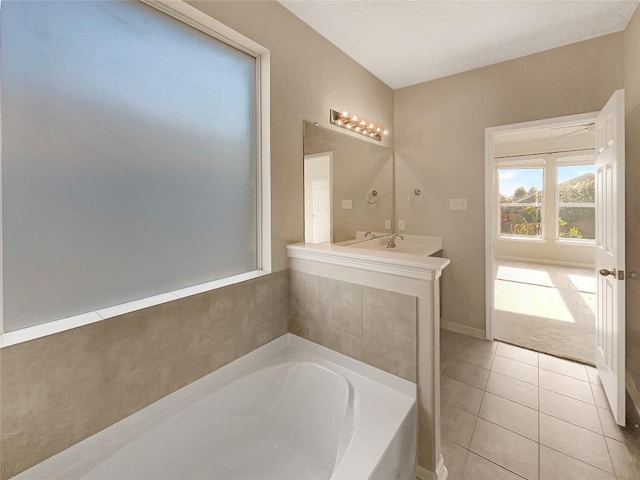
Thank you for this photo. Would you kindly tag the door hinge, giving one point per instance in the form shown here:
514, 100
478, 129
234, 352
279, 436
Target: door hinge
620, 274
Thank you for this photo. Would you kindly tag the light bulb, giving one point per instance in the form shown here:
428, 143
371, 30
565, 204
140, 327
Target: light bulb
378, 129
357, 129
345, 114
354, 118
385, 132
348, 125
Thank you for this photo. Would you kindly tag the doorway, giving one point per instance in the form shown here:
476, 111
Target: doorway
318, 190
544, 241
561, 214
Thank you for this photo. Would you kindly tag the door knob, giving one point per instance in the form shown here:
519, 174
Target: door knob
604, 272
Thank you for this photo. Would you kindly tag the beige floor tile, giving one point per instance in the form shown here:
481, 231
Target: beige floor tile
460, 394
510, 415
558, 466
457, 425
516, 353
515, 369
455, 457
478, 468
609, 426
565, 367
571, 410
513, 389
466, 373
568, 386
593, 375
625, 458
509, 450
480, 357
575, 441
599, 396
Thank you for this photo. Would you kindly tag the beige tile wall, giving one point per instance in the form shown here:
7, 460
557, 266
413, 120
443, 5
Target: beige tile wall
58, 390
375, 326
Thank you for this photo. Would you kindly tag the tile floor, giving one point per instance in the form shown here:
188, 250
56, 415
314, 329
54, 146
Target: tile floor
510, 413
548, 308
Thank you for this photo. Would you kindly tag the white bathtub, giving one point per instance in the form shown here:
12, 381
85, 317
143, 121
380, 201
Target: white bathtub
289, 410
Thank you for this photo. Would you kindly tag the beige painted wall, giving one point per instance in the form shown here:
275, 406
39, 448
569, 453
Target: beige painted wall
439, 143
632, 107
57, 390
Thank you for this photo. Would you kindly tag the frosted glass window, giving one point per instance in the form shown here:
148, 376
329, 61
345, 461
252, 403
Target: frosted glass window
129, 157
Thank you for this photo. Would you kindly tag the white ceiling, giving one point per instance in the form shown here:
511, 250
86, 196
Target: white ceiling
407, 42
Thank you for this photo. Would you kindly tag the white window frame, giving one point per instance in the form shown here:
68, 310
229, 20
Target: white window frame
534, 161
199, 20
562, 161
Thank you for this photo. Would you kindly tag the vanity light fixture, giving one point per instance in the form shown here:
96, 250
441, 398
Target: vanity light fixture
356, 124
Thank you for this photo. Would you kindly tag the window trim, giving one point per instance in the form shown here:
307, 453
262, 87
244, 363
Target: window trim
197, 19
536, 162
571, 162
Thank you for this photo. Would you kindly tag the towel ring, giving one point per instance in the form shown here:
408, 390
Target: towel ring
415, 197
372, 198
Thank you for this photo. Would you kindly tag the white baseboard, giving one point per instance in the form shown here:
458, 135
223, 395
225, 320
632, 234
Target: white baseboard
463, 329
634, 392
441, 472
544, 261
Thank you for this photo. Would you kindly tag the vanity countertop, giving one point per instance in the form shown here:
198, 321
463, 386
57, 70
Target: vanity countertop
411, 256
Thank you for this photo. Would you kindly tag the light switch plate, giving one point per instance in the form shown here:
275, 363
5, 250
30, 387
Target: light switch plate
387, 224
400, 224
457, 204
347, 204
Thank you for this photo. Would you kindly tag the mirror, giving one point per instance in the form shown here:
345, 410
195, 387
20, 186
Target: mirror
348, 187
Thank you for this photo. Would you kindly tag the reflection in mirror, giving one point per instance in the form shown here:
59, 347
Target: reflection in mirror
341, 174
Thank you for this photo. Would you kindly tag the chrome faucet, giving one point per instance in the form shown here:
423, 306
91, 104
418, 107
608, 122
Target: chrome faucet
391, 243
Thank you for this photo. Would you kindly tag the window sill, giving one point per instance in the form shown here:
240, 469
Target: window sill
57, 326
521, 239
576, 243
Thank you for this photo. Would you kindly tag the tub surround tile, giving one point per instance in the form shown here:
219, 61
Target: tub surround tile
368, 324
60, 389
340, 305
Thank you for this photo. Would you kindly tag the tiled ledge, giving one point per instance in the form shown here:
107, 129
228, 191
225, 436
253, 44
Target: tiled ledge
420, 267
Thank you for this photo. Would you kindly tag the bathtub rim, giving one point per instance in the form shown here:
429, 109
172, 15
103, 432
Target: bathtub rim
285, 349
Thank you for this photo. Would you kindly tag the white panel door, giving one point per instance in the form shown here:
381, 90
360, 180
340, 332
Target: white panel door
320, 199
610, 269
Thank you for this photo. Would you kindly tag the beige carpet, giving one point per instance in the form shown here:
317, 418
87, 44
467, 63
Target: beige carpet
546, 308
